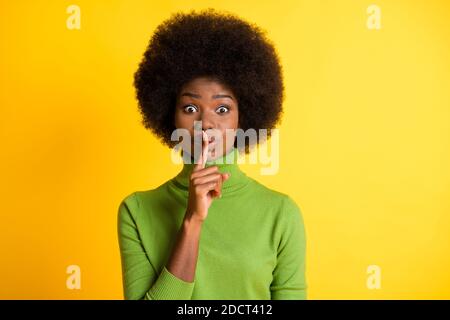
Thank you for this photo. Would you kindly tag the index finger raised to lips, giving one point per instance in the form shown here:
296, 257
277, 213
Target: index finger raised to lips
204, 152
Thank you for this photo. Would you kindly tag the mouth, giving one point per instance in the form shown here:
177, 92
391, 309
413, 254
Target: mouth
211, 141
211, 144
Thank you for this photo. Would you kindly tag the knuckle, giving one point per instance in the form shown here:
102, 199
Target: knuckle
197, 191
192, 176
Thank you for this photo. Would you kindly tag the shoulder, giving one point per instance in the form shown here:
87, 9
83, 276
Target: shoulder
288, 224
129, 205
130, 200
285, 201
286, 207
137, 201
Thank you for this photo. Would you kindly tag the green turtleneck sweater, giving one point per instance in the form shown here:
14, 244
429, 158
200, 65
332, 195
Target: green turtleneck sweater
252, 243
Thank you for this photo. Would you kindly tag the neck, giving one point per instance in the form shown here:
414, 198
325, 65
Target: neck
226, 163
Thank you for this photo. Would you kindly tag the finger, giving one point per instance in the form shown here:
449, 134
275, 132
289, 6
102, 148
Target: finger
198, 164
205, 145
204, 172
205, 188
218, 189
202, 158
207, 178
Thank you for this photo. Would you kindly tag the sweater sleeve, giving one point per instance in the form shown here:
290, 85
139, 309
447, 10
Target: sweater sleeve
139, 277
289, 279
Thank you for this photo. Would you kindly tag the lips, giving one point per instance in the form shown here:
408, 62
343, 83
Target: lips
211, 138
210, 141
211, 144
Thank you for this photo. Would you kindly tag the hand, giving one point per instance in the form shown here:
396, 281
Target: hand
205, 184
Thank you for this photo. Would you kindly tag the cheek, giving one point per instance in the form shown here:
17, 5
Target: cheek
228, 135
181, 121
232, 121
231, 124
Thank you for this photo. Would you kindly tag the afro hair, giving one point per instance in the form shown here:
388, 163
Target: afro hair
217, 45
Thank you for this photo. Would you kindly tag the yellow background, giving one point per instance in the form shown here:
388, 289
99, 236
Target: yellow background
365, 141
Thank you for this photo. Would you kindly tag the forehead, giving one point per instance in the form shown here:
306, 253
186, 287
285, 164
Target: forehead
206, 86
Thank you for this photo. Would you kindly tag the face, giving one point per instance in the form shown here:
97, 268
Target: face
212, 103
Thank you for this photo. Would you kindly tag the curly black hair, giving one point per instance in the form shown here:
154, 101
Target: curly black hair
217, 45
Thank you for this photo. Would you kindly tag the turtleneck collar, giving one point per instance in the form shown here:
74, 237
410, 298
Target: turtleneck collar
226, 163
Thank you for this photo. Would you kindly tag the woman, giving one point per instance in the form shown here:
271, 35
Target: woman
211, 232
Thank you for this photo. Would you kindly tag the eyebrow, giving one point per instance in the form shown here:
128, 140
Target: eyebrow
216, 96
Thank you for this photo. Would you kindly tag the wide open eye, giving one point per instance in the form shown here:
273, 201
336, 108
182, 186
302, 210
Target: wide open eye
223, 109
190, 108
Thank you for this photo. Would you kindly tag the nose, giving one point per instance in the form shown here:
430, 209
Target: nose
210, 129
207, 121
206, 125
